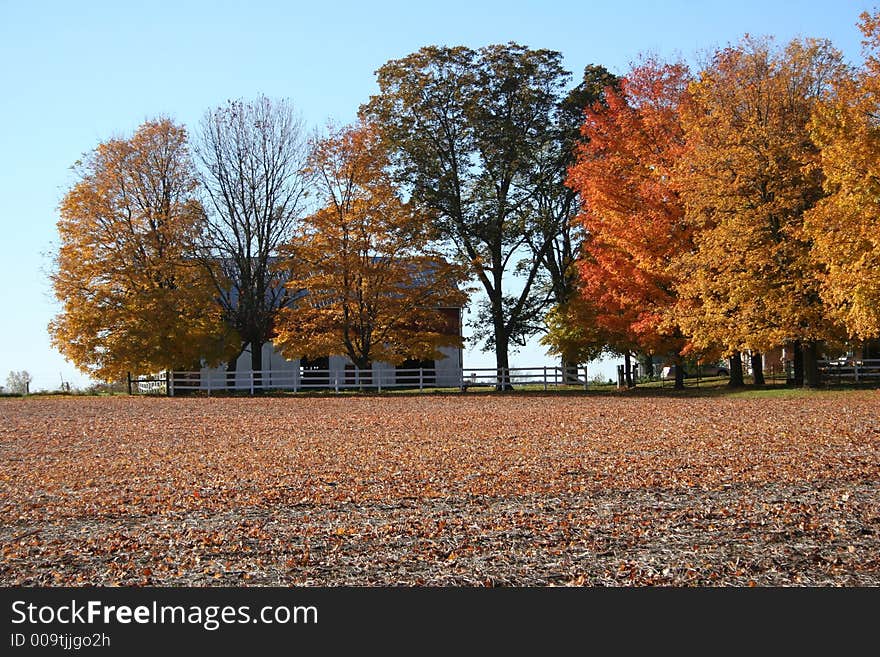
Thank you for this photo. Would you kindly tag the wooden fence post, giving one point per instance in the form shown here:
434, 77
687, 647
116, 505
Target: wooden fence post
129, 383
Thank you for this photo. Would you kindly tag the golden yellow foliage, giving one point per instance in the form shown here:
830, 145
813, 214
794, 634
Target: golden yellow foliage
572, 330
845, 225
131, 298
747, 178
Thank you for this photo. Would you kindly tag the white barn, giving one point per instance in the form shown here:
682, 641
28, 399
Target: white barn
338, 372
334, 372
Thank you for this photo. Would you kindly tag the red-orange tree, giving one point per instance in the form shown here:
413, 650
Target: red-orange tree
631, 212
370, 284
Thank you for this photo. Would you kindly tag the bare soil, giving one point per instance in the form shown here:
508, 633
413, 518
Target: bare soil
442, 490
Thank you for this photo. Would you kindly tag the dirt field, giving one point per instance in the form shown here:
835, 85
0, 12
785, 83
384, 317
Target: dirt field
442, 490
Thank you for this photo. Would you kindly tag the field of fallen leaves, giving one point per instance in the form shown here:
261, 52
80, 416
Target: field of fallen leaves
441, 490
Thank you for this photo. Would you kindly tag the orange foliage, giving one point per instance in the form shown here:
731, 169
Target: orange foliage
371, 285
631, 213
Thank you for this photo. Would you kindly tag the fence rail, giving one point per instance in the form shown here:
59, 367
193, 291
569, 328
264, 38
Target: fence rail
849, 370
545, 376
149, 385
306, 379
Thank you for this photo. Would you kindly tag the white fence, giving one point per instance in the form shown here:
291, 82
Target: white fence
839, 371
849, 370
546, 377
303, 379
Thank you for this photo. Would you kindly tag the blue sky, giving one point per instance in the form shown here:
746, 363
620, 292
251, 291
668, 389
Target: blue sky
73, 74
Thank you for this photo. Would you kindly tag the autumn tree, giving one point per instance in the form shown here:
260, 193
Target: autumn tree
573, 332
843, 226
132, 297
465, 128
630, 211
748, 177
368, 283
252, 158
556, 204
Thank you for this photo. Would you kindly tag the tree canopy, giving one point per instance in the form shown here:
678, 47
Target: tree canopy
132, 296
465, 128
253, 173
749, 175
367, 282
843, 226
630, 211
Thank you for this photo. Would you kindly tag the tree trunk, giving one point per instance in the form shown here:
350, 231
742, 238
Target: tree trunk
257, 363
569, 372
231, 368
757, 368
627, 370
364, 368
502, 363
736, 371
648, 366
811, 364
679, 375
798, 363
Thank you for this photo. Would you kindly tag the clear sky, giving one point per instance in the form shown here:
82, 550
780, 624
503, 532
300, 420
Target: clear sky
73, 74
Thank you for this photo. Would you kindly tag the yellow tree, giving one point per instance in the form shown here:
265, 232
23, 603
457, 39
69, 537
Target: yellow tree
132, 299
746, 180
573, 332
368, 284
844, 226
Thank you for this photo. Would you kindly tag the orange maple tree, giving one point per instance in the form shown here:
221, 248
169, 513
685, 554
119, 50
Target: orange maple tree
371, 285
631, 213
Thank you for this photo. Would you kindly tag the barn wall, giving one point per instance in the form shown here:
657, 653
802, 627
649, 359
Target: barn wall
447, 370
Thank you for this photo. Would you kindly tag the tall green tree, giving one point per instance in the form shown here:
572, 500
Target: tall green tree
466, 128
555, 205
